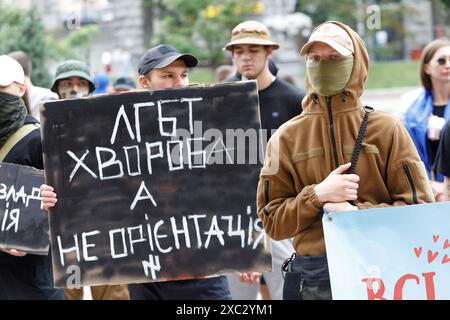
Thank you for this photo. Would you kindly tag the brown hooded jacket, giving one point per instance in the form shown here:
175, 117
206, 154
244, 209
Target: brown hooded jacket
304, 151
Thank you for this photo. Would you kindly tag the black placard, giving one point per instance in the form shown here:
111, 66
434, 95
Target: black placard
155, 185
23, 223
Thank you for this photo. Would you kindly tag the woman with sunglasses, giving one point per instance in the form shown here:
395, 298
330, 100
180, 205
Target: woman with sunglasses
429, 112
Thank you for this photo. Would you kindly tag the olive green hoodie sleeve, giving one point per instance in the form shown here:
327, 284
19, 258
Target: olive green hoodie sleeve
284, 211
406, 176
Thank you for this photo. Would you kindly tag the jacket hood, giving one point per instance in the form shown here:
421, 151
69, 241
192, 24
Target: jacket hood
355, 86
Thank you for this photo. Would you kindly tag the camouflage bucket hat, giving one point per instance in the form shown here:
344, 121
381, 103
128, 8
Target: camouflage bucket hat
72, 68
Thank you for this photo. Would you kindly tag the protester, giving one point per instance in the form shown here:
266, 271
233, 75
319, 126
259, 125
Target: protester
72, 80
124, 84
34, 93
101, 82
163, 67
443, 160
336, 156
251, 48
223, 72
427, 115
22, 276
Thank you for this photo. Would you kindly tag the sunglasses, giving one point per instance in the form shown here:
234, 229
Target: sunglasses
442, 60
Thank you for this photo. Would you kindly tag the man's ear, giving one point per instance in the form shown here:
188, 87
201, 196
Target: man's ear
269, 51
231, 53
144, 82
21, 90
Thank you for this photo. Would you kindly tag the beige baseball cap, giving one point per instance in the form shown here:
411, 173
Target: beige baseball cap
251, 32
332, 35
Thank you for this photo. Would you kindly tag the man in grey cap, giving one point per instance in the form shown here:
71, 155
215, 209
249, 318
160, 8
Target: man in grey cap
72, 80
163, 67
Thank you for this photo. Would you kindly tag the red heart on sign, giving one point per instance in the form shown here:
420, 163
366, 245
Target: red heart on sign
418, 251
435, 238
446, 244
432, 255
445, 259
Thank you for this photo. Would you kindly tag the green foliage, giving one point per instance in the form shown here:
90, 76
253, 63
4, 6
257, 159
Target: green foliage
321, 11
446, 3
393, 74
201, 27
352, 12
389, 52
201, 75
23, 30
9, 22
346, 11
75, 46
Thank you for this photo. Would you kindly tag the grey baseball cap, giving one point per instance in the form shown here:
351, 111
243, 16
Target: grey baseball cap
161, 56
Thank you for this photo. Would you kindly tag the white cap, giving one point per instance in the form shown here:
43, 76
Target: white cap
10, 71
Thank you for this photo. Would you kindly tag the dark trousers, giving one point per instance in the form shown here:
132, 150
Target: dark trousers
27, 278
307, 278
215, 288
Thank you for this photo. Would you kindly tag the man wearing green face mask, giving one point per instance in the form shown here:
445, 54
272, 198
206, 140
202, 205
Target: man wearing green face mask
337, 155
329, 59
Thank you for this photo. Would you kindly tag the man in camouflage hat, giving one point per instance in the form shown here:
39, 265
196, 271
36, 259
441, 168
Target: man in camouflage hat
72, 80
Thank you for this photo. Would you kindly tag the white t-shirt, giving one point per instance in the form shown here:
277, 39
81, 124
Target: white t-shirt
36, 95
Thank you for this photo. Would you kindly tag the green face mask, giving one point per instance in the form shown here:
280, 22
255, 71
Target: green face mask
329, 77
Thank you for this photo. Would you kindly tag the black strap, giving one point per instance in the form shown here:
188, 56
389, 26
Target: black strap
287, 264
358, 144
359, 140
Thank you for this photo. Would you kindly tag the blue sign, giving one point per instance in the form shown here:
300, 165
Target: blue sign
390, 253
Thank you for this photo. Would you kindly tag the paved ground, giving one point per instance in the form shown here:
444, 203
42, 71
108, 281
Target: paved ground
394, 101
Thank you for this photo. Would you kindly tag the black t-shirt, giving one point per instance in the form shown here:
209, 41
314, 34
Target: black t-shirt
443, 158
279, 103
433, 145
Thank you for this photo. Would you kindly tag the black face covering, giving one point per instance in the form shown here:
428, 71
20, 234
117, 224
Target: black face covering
12, 115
